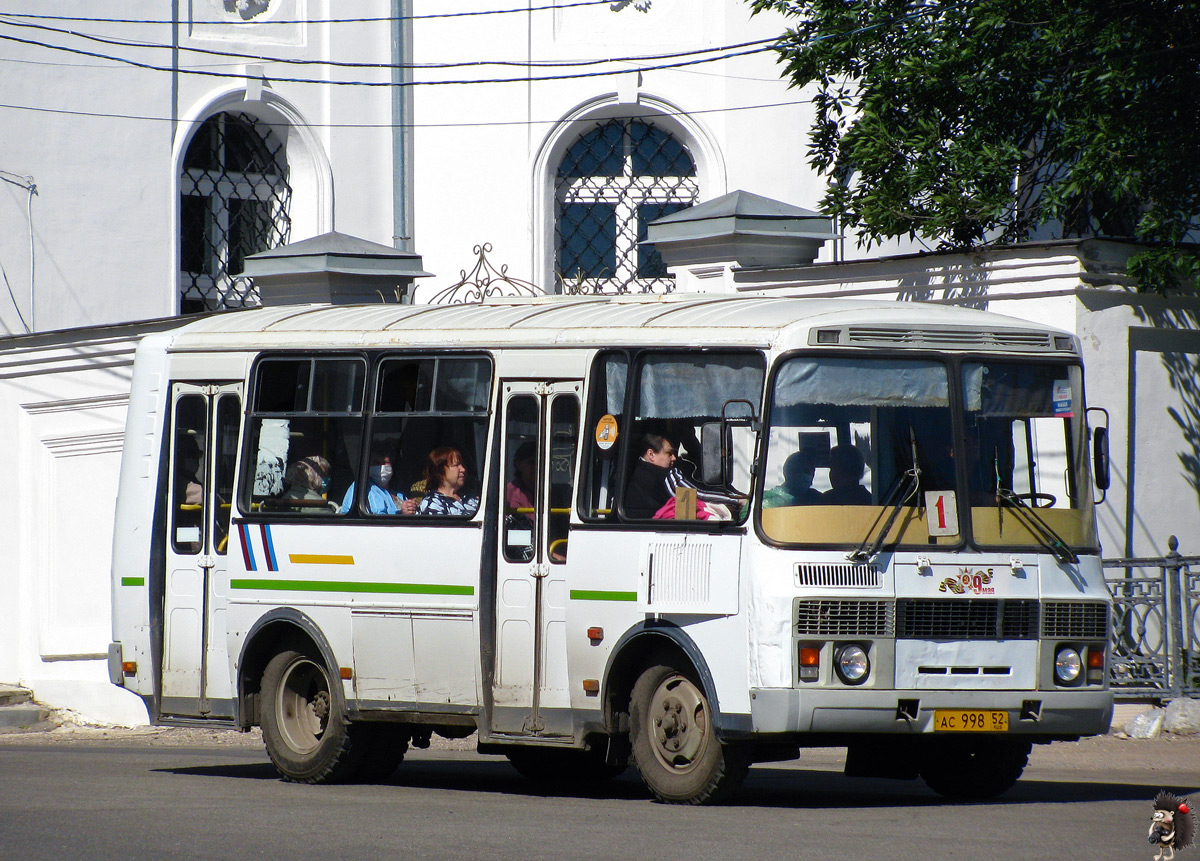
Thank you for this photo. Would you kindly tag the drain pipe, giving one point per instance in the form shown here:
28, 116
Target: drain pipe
402, 195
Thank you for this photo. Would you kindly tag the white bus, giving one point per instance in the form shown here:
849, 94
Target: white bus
688, 532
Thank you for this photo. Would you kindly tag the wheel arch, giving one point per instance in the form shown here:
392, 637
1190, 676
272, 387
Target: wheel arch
642, 646
264, 640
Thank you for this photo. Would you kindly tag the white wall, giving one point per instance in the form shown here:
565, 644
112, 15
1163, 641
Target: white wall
62, 407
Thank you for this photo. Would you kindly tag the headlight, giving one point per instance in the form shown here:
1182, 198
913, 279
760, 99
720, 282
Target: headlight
852, 664
1067, 665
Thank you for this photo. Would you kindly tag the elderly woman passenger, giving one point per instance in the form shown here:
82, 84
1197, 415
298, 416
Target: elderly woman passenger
445, 476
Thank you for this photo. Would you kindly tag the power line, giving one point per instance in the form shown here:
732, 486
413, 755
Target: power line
352, 65
649, 115
233, 23
522, 80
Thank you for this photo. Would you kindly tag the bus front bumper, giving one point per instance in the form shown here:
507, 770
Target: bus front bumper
1042, 713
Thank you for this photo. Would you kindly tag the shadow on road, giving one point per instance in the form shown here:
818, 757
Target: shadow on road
766, 787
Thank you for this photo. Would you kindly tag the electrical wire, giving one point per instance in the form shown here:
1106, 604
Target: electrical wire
522, 80
27, 183
492, 124
352, 65
550, 8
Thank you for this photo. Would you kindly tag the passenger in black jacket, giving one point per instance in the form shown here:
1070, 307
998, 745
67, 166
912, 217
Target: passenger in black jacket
655, 480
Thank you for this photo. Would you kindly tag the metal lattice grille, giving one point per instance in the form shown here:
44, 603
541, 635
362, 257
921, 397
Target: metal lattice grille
959, 619
1075, 620
844, 618
612, 182
234, 201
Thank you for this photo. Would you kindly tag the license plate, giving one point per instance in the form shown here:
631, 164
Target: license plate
964, 720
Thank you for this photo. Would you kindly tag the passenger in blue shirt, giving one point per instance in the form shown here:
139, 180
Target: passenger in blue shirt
380, 500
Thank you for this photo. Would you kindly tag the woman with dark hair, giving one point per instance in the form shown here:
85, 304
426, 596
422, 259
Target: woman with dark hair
445, 476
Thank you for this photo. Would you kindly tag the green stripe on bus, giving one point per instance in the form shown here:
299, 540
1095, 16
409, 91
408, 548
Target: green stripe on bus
343, 586
592, 595
133, 581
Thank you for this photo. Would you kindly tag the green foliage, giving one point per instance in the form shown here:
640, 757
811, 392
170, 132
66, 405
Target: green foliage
978, 121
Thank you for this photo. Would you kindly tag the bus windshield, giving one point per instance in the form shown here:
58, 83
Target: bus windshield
1026, 455
858, 449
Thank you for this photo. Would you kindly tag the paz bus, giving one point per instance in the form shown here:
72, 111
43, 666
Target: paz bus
905, 563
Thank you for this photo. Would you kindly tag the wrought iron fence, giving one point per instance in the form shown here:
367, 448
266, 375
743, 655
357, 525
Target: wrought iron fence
1156, 624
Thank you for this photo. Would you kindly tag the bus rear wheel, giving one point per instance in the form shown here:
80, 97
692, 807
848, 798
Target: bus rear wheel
974, 769
304, 721
675, 745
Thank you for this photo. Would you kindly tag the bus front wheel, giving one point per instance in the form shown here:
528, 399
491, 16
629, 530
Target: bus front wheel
304, 722
974, 769
675, 745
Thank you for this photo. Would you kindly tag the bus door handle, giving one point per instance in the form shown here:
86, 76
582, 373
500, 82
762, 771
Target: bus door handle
538, 570
207, 561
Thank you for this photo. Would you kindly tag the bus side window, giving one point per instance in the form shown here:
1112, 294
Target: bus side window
305, 428
605, 425
187, 474
426, 403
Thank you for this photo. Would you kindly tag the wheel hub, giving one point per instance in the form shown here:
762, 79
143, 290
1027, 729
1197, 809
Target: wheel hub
680, 722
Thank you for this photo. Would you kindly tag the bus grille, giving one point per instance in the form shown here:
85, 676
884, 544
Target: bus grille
838, 575
1013, 339
844, 618
1075, 620
970, 619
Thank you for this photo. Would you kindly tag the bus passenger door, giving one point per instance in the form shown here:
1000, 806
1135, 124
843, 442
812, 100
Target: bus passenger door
530, 694
205, 422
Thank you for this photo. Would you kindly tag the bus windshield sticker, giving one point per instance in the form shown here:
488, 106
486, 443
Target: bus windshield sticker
606, 432
1062, 399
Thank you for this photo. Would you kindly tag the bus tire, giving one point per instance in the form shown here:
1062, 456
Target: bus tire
974, 769
385, 746
304, 722
675, 745
556, 765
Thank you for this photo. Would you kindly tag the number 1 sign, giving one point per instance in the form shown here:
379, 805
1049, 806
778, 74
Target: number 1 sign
941, 512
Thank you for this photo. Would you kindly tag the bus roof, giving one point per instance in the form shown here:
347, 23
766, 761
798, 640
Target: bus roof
575, 321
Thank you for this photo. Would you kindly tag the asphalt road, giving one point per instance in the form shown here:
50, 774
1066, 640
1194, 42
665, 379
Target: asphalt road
110, 795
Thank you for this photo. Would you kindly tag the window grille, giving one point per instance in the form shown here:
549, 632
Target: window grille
611, 183
234, 201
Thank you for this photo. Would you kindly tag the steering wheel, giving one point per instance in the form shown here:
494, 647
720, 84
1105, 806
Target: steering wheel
1038, 500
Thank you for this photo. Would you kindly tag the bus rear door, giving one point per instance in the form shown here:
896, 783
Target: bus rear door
205, 423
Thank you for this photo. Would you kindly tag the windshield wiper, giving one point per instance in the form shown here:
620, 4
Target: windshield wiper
902, 491
1037, 527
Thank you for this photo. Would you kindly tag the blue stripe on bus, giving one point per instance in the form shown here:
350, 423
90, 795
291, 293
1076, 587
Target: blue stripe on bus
247, 549
269, 548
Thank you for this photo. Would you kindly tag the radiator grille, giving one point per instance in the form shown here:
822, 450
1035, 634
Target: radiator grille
971, 619
1075, 620
844, 618
866, 576
930, 337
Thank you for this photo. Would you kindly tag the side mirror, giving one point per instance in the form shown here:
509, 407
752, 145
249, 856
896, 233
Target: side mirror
712, 459
1100, 461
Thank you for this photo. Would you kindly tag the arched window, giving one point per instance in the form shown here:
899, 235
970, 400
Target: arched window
234, 200
613, 181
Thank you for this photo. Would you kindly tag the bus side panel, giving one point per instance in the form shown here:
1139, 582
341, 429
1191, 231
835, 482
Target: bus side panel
405, 598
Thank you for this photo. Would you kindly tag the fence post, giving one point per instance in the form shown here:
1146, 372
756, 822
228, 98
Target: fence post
1174, 617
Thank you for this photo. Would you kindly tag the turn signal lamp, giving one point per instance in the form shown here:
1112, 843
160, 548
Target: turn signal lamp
591, 686
346, 672
129, 668
810, 663
1095, 665
595, 634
